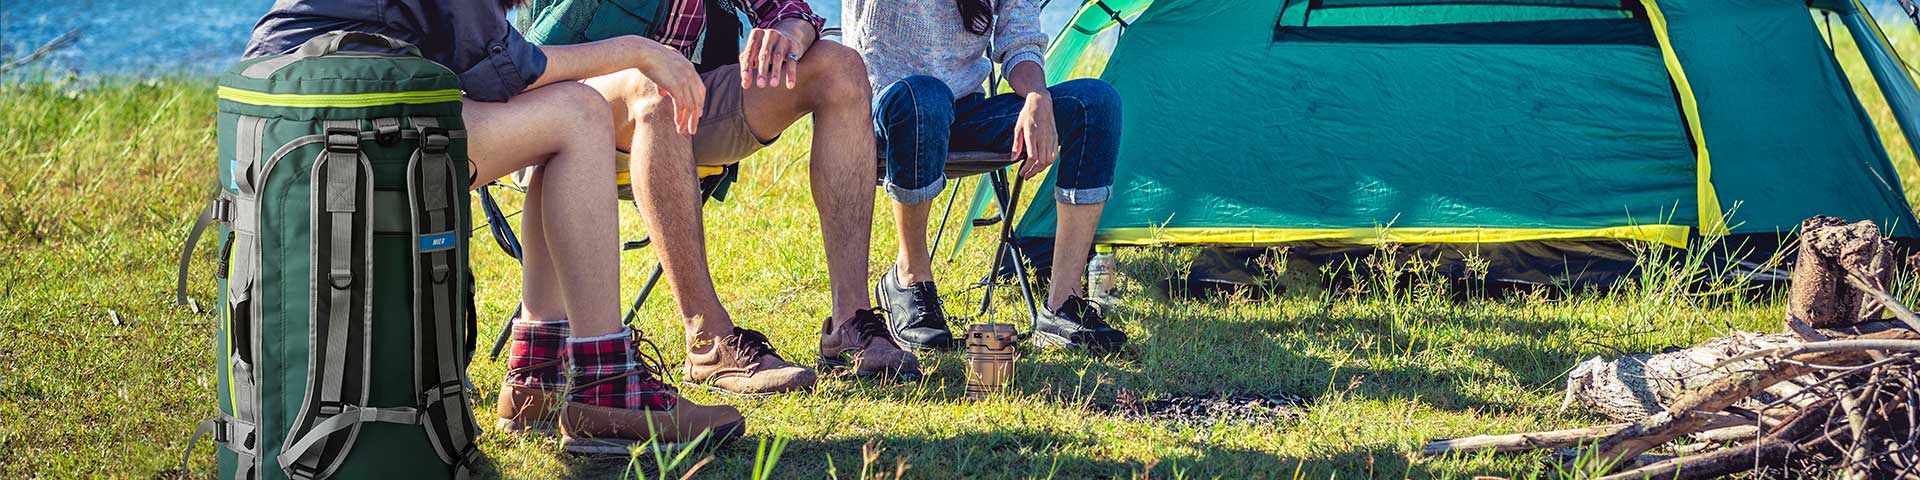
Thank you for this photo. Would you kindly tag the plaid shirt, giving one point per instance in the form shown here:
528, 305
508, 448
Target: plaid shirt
687, 19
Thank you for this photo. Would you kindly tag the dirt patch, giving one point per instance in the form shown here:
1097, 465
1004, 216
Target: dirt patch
1207, 410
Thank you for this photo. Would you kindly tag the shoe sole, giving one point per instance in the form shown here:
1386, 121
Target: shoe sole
908, 344
831, 365
1048, 340
624, 447
732, 394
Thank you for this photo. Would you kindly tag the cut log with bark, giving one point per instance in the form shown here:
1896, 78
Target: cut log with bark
1830, 249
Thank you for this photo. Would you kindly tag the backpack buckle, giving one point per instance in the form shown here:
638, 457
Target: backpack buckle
343, 140
434, 140
387, 134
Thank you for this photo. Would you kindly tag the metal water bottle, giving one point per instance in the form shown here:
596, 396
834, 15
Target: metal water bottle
1102, 274
990, 356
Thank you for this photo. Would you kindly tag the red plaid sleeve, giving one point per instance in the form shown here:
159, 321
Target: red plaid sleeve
767, 13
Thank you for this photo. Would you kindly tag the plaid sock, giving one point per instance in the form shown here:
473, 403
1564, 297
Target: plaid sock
534, 343
597, 358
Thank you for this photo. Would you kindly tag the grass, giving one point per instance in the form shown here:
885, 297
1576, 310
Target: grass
100, 184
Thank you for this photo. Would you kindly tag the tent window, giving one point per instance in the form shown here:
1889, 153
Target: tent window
1407, 13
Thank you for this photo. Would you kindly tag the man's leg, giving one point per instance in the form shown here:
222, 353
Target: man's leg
667, 191
833, 87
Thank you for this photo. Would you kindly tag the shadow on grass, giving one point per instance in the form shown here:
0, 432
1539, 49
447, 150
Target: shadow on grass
1008, 453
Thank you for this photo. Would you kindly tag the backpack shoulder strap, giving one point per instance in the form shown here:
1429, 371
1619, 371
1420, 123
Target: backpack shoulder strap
432, 184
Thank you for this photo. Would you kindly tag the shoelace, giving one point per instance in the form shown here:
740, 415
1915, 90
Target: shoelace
654, 365
1088, 315
870, 325
751, 344
930, 315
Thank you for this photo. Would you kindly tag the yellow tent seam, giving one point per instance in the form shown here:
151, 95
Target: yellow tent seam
1674, 235
1713, 221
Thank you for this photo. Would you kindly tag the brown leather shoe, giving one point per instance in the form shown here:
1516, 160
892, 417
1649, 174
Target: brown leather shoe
864, 346
529, 409
596, 430
743, 365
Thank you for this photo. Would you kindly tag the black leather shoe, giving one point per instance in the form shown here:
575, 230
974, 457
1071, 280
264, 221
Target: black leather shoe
913, 313
1077, 324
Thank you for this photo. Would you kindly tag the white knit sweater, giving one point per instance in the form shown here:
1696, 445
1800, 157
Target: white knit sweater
901, 38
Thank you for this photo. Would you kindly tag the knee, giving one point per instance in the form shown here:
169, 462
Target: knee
1094, 98
836, 75
584, 110
916, 100
637, 101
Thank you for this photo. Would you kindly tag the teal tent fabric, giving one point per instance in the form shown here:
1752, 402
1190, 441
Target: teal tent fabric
1788, 138
1260, 122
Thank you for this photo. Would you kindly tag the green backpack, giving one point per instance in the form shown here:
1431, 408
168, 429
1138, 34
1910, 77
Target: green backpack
345, 299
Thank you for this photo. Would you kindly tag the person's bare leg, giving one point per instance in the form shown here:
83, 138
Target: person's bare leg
914, 262
843, 167
562, 128
667, 191
1070, 247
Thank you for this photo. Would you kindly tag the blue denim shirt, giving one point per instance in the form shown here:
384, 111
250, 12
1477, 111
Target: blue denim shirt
471, 37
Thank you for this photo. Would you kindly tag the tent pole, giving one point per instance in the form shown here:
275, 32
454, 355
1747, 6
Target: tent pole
1888, 72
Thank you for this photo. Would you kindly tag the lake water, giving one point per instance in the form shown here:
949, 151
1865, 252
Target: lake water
194, 36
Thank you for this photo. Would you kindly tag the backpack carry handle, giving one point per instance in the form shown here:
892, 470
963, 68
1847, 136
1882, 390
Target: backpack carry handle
332, 41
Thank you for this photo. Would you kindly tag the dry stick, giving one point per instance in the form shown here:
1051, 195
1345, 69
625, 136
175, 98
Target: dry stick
1887, 300
1827, 346
1676, 420
1718, 463
1558, 438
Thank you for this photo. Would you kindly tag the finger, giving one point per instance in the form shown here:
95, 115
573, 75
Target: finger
764, 63
699, 106
778, 63
1019, 143
747, 60
793, 70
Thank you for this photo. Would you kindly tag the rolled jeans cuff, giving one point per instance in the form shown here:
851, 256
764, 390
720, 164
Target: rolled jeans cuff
916, 196
1082, 196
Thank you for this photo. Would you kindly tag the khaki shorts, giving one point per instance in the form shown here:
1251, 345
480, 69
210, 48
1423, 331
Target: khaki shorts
724, 137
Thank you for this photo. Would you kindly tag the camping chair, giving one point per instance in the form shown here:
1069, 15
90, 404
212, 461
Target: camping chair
714, 183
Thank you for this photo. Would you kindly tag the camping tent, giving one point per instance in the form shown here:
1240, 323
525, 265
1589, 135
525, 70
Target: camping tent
1518, 123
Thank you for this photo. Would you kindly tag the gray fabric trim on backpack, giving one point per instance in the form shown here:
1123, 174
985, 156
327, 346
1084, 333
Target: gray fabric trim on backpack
327, 44
341, 176
228, 433
243, 284
313, 443
430, 177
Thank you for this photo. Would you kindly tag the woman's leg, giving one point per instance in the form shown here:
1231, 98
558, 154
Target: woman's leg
571, 263
1087, 113
912, 121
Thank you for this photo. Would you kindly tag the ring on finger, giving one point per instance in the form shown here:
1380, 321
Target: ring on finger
793, 56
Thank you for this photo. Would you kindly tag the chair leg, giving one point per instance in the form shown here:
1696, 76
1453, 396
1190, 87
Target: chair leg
633, 313
941, 233
1007, 242
506, 330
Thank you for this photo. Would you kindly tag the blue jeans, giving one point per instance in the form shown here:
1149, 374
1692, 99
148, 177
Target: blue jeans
917, 122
